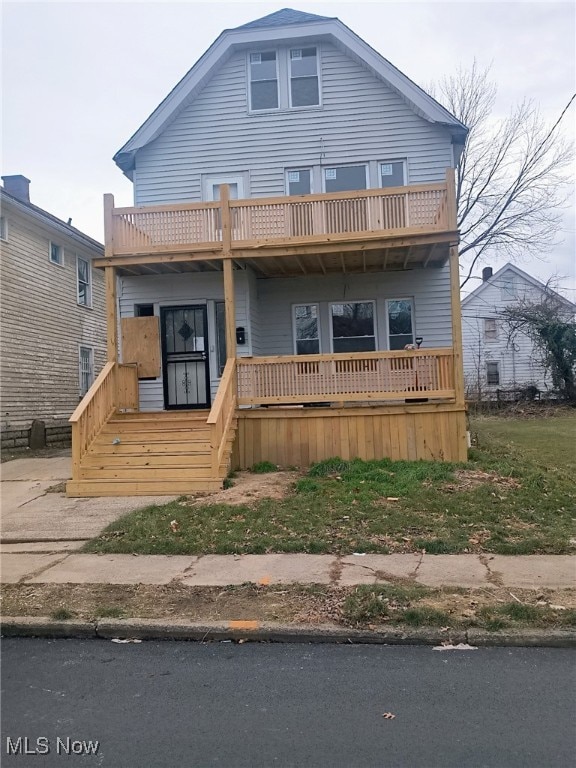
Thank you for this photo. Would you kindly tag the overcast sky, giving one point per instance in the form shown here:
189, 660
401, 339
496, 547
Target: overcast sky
78, 78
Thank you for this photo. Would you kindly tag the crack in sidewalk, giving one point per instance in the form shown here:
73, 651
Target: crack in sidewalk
492, 577
39, 571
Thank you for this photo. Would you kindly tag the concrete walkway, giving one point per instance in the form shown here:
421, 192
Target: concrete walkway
33, 512
61, 567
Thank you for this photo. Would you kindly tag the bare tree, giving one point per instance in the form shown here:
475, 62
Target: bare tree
549, 323
511, 181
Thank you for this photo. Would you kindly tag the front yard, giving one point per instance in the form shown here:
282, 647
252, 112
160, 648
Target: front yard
515, 496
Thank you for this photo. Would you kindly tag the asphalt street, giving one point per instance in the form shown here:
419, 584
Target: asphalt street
182, 704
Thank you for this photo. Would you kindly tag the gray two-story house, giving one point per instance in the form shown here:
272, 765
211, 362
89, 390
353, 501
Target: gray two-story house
285, 287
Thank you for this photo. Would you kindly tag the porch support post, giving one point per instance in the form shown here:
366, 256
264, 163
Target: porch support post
456, 309
228, 269
111, 314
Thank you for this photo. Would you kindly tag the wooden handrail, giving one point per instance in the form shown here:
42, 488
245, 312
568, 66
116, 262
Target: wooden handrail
222, 414
115, 387
362, 376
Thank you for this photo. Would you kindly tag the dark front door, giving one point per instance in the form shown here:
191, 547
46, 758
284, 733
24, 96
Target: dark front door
185, 357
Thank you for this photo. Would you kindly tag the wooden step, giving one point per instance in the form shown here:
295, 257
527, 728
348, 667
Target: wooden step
129, 448
160, 416
84, 488
103, 461
158, 436
154, 427
146, 473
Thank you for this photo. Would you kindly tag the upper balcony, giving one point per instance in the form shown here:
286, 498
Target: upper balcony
356, 231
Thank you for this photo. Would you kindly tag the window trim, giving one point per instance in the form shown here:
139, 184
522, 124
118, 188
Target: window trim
91, 363
387, 161
413, 315
60, 261
289, 75
88, 303
294, 338
374, 320
3, 229
345, 165
251, 110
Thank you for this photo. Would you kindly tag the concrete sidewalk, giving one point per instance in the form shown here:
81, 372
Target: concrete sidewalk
470, 571
33, 511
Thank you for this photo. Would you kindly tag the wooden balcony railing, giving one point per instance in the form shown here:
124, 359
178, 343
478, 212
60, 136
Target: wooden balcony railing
359, 376
303, 219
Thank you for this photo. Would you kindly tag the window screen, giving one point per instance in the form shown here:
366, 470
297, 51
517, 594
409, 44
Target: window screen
263, 81
349, 177
400, 323
353, 327
304, 87
306, 329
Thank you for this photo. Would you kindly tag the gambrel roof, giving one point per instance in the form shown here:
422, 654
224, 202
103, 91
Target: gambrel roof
285, 26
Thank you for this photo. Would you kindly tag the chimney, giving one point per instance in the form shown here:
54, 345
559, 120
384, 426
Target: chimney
17, 186
486, 274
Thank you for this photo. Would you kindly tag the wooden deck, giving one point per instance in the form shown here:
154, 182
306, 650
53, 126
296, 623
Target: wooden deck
358, 231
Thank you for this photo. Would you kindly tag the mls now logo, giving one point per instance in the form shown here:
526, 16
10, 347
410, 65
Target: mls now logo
43, 746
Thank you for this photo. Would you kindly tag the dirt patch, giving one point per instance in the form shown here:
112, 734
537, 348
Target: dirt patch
468, 479
248, 488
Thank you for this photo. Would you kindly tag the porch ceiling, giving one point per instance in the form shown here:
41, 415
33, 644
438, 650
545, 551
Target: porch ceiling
310, 263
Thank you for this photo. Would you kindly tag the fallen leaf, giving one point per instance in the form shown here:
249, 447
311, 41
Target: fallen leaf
125, 640
388, 716
392, 498
174, 525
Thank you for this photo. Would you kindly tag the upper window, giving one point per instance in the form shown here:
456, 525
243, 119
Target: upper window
143, 310
304, 81
306, 329
56, 253
353, 327
392, 173
345, 178
299, 182
490, 329
84, 282
508, 288
3, 228
263, 81
400, 323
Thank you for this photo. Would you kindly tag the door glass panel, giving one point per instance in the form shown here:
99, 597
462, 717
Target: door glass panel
221, 336
400, 323
353, 327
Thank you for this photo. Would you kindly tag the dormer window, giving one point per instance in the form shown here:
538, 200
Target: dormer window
304, 85
263, 81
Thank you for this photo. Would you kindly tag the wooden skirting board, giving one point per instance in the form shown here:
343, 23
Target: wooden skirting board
300, 436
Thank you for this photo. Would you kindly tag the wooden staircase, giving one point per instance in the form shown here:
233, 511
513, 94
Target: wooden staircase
152, 453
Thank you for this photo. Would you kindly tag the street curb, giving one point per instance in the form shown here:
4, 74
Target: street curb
253, 631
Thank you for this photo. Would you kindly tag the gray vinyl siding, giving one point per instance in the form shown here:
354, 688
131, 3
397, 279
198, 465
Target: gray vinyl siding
519, 363
429, 289
171, 290
42, 324
361, 121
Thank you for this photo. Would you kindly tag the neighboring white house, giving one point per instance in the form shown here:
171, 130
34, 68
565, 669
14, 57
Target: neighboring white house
492, 359
53, 319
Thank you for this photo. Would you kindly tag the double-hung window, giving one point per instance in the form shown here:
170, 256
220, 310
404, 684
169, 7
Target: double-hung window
490, 329
84, 282
85, 369
263, 81
306, 329
400, 314
304, 81
493, 373
3, 228
353, 327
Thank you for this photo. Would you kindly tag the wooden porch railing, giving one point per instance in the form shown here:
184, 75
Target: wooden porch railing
346, 377
258, 221
221, 415
115, 388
